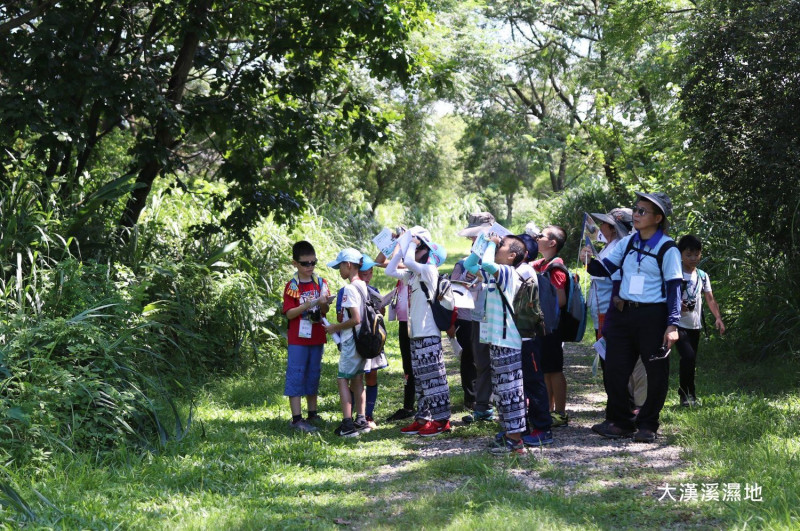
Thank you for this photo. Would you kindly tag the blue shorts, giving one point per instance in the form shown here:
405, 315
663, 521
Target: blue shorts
303, 367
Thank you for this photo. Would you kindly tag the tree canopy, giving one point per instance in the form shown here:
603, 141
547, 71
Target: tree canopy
259, 90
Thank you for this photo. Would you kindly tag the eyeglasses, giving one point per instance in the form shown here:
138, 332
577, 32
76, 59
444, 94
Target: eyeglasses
540, 236
309, 263
641, 211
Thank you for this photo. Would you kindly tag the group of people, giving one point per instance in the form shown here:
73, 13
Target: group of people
643, 300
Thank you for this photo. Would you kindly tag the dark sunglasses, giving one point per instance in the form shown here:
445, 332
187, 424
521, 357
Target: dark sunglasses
309, 263
641, 211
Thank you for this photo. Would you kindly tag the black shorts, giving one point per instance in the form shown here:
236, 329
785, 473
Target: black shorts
552, 353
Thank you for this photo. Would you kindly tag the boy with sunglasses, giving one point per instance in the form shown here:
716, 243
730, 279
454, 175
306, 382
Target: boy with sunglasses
305, 300
551, 241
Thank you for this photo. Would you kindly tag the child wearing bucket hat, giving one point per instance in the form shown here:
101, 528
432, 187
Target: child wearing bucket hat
422, 259
645, 320
399, 311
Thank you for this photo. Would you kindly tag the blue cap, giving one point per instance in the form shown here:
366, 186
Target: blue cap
368, 264
346, 255
530, 245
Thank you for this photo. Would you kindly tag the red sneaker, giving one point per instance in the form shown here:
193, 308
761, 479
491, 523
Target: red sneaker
413, 428
434, 428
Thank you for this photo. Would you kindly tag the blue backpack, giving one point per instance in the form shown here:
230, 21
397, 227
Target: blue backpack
548, 300
572, 321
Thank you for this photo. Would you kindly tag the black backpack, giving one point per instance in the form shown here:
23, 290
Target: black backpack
371, 337
442, 316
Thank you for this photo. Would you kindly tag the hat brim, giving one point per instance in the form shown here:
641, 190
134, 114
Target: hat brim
474, 231
334, 265
603, 218
622, 230
367, 264
655, 200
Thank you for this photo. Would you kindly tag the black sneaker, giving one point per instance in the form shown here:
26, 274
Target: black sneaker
688, 401
361, 424
401, 414
346, 429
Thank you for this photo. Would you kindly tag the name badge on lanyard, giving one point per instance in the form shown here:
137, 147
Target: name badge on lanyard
305, 329
636, 285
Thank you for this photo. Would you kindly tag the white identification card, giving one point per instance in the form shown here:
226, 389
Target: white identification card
305, 329
636, 286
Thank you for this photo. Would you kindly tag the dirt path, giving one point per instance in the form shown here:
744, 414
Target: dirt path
584, 461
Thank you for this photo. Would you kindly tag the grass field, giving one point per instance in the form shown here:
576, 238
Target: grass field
242, 467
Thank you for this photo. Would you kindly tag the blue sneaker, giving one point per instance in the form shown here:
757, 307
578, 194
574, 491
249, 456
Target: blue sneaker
478, 416
508, 447
538, 438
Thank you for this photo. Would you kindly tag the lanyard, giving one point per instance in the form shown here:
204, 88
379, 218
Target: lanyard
651, 242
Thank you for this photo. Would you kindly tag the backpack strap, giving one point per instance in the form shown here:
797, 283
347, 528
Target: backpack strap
425, 289
659, 256
427, 293
364, 296
702, 276
339, 296
669, 244
506, 305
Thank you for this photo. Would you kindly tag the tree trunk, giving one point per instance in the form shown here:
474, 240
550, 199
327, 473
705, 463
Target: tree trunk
164, 137
558, 170
610, 168
509, 208
650, 112
562, 169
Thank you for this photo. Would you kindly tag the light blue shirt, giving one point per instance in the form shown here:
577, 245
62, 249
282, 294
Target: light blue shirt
491, 330
601, 287
636, 264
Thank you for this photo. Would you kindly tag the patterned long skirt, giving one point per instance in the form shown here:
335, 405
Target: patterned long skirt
507, 387
430, 379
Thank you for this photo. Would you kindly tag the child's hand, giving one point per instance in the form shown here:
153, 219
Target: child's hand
329, 328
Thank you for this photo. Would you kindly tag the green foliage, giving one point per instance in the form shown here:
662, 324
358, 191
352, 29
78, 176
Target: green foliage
255, 93
741, 103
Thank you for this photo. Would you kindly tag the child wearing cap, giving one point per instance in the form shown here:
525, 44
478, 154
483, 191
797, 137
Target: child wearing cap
538, 403
305, 299
373, 365
422, 259
351, 365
